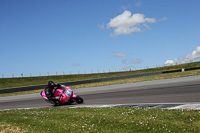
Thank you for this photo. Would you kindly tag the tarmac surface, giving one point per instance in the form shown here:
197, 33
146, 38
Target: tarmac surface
167, 93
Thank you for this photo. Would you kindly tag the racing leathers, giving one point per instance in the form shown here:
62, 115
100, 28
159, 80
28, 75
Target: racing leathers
49, 91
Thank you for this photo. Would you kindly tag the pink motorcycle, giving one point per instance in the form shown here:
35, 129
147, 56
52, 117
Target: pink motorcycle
66, 96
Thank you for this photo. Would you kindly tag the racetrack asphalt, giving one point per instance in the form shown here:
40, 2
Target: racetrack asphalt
168, 91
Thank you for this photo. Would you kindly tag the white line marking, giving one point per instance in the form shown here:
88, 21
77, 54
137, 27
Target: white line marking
187, 106
178, 106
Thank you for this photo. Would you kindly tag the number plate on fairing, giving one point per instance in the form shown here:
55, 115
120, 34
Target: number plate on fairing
69, 92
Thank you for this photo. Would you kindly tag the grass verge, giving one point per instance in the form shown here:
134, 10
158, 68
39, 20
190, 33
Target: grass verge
27, 81
100, 120
131, 80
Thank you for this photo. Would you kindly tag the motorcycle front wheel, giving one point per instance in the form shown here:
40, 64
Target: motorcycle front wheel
79, 99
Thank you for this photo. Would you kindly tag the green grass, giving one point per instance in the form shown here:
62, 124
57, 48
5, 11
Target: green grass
16, 82
115, 82
100, 120
26, 81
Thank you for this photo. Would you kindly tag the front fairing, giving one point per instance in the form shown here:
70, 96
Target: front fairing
66, 93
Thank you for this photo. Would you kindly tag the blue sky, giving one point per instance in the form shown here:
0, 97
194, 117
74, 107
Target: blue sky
71, 36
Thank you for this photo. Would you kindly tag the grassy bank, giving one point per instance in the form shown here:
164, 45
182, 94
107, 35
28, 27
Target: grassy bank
100, 120
26, 81
115, 82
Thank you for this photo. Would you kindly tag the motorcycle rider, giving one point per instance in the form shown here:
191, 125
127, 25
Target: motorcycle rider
49, 91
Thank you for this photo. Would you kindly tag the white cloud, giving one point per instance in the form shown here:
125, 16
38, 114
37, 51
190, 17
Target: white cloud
120, 55
125, 7
125, 30
124, 61
138, 3
127, 23
186, 59
136, 61
101, 26
128, 63
169, 62
127, 68
131, 61
148, 27
163, 19
75, 64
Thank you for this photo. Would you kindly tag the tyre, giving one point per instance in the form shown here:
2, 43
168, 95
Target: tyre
57, 103
79, 99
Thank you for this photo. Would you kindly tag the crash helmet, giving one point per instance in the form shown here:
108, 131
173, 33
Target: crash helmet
51, 84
